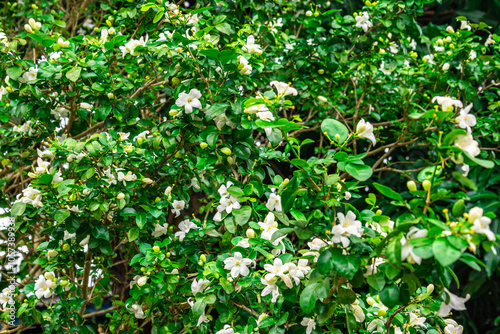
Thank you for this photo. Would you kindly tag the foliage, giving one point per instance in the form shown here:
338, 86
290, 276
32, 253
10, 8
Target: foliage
246, 166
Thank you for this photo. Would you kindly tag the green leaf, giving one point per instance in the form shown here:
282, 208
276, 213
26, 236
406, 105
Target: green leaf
241, 216
481, 162
444, 252
225, 28
14, 72
101, 232
359, 172
390, 295
242, 151
159, 15
215, 110
96, 86
345, 296
308, 298
452, 135
345, 265
64, 188
325, 263
140, 219
376, 281
61, 215
18, 209
388, 192
235, 191
213, 54
332, 128
281, 232
133, 234
74, 73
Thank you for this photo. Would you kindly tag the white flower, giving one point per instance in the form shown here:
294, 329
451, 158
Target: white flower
85, 241
32, 196
44, 286
229, 203
141, 135
199, 286
309, 323
365, 130
429, 59
139, 280
278, 269
88, 24
30, 76
42, 167
416, 321
3, 91
481, 224
464, 25
446, 66
189, 101
256, 109
184, 227
227, 330
68, 235
6, 297
123, 136
455, 303
316, 244
465, 170
269, 226
303, 266
251, 47
270, 288
413, 44
168, 191
295, 273
283, 88
468, 144
447, 102
372, 268
489, 41
85, 105
74, 209
363, 21
348, 225
126, 177
131, 45
466, 120
55, 55
243, 243
274, 203
407, 249
223, 189
453, 329
472, 55
160, 230
238, 265
358, 311
138, 312
222, 120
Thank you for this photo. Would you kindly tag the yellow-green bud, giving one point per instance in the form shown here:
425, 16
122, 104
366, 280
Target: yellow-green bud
65, 247
316, 14
381, 312
250, 233
378, 212
412, 186
370, 301
322, 99
157, 199
111, 96
427, 185
200, 263
140, 140
230, 160
49, 276
309, 13
72, 197
203, 258
176, 81
52, 253
169, 254
120, 196
322, 71
156, 249
143, 269
173, 112
63, 283
203, 145
226, 151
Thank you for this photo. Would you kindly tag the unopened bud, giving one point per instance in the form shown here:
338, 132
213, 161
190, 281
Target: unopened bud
309, 13
250, 233
173, 112
111, 96
120, 196
450, 29
49, 276
370, 301
446, 66
203, 258
156, 249
430, 288
65, 247
226, 151
203, 145
412, 186
63, 283
378, 212
52, 253
147, 180
427, 185
322, 99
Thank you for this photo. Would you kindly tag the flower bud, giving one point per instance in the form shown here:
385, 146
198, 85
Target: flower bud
147, 180
381, 312
169, 255
370, 301
141, 281
316, 14
63, 283
337, 137
322, 99
28, 28
111, 96
85, 241
226, 151
203, 145
230, 160
309, 13
347, 195
203, 258
430, 288
450, 29
49, 276
65, 247
156, 249
378, 212
427, 185
446, 66
173, 112
250, 233
52, 253
447, 39
412, 186
111, 31
120, 196
321, 71
176, 81
200, 263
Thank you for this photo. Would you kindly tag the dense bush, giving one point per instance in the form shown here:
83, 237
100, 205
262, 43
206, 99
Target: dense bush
245, 166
